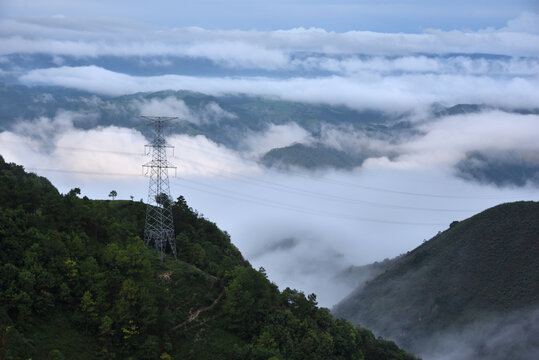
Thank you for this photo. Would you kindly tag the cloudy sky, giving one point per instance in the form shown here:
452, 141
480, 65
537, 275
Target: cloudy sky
390, 56
344, 15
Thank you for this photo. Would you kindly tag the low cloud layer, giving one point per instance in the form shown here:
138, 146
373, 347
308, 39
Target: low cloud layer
393, 72
276, 136
397, 93
169, 106
55, 143
447, 141
496, 337
173, 107
336, 219
258, 49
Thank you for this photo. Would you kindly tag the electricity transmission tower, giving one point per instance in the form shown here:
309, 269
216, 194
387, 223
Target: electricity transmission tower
159, 227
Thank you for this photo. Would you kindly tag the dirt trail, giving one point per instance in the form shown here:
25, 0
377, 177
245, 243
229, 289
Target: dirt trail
193, 316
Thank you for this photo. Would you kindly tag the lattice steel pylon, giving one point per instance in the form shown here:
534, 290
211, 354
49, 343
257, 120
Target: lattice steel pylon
159, 227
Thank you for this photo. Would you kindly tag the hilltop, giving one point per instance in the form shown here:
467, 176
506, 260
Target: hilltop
481, 272
77, 282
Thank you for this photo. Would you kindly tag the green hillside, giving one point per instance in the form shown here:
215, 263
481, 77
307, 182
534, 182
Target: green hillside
482, 267
77, 282
309, 157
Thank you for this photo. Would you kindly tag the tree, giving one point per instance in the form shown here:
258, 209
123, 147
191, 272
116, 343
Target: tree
73, 192
113, 194
163, 200
88, 307
249, 300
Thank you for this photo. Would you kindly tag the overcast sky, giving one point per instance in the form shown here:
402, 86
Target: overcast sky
343, 15
391, 56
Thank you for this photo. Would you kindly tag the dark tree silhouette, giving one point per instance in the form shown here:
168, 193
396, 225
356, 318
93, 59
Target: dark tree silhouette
163, 200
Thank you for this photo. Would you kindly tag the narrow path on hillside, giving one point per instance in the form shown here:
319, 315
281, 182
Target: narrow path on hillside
193, 316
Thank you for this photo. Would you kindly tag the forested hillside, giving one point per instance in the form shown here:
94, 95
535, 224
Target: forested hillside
77, 282
481, 273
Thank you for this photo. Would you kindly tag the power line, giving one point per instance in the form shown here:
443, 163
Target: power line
255, 200
337, 182
83, 172
80, 149
292, 190
277, 205
303, 175
304, 192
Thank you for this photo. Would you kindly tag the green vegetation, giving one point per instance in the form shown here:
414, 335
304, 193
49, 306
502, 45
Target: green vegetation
479, 267
77, 282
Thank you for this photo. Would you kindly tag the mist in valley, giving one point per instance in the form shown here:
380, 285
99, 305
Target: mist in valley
303, 226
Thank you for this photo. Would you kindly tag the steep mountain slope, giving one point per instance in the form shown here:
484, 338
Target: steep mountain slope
486, 266
77, 282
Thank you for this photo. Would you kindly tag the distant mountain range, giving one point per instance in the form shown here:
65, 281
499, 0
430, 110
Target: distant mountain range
229, 119
471, 292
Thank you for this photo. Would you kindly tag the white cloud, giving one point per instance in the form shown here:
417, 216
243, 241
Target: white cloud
494, 336
43, 98
47, 130
250, 49
446, 141
173, 107
312, 261
457, 65
212, 113
526, 23
197, 156
55, 143
122, 146
169, 106
396, 92
276, 136
58, 60
362, 70
238, 54
351, 140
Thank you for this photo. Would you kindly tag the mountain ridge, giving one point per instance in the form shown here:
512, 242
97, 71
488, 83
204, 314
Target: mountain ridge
331, 136
480, 267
